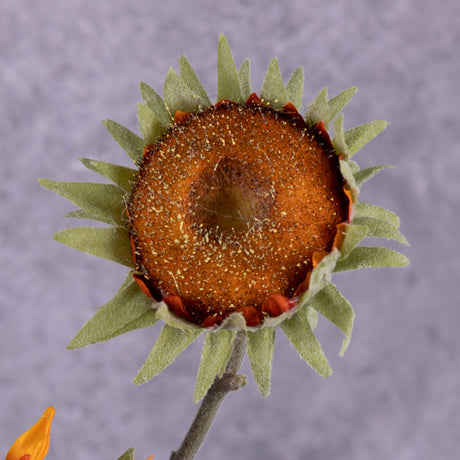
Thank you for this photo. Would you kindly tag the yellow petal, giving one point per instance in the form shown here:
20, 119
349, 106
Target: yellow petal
35, 441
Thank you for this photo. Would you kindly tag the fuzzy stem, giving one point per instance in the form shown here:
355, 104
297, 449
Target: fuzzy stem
229, 381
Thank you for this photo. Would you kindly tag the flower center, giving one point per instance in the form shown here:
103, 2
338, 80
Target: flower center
228, 197
230, 206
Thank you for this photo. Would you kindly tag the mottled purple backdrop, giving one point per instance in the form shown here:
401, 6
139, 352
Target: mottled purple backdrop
67, 65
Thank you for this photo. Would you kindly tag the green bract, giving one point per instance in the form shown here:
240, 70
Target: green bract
130, 308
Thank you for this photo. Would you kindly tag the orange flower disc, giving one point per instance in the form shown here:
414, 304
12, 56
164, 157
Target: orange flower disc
229, 208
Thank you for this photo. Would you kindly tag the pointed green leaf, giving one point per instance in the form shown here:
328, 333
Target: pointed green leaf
295, 86
357, 138
371, 210
381, 229
338, 141
178, 96
147, 319
333, 306
273, 91
128, 305
366, 174
300, 334
354, 234
337, 103
128, 455
156, 104
261, 345
103, 200
348, 176
131, 143
228, 83
318, 110
82, 214
217, 348
150, 127
244, 77
192, 81
169, 345
312, 316
320, 276
119, 175
166, 315
371, 257
109, 243
354, 167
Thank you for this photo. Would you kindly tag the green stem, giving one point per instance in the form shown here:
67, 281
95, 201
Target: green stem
229, 381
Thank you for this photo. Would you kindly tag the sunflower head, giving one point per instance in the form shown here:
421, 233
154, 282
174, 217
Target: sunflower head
234, 219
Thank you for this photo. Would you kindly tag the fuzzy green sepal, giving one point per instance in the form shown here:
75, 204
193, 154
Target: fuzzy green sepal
104, 201
128, 310
217, 349
169, 345
273, 92
165, 314
130, 142
261, 345
109, 243
365, 174
178, 96
152, 130
333, 306
318, 110
338, 103
357, 138
120, 175
299, 332
228, 82
244, 77
191, 79
294, 87
128, 455
371, 257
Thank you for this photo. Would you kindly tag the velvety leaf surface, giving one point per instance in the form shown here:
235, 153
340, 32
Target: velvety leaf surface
169, 345
300, 334
371, 257
108, 243
228, 82
128, 305
130, 142
295, 86
261, 345
217, 349
120, 175
273, 90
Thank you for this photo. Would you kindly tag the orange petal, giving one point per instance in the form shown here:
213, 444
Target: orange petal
318, 256
303, 286
177, 307
141, 283
253, 99
212, 321
340, 235
351, 205
252, 316
34, 443
180, 117
277, 304
133, 249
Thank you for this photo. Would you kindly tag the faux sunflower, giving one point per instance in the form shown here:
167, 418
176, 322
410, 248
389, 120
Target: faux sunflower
233, 220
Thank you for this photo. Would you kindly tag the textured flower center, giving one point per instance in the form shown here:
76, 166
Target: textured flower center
229, 197
230, 206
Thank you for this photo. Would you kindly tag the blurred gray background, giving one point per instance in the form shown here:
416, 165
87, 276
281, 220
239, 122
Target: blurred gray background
67, 65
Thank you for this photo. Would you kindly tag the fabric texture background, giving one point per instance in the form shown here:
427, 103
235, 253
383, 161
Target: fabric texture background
67, 65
